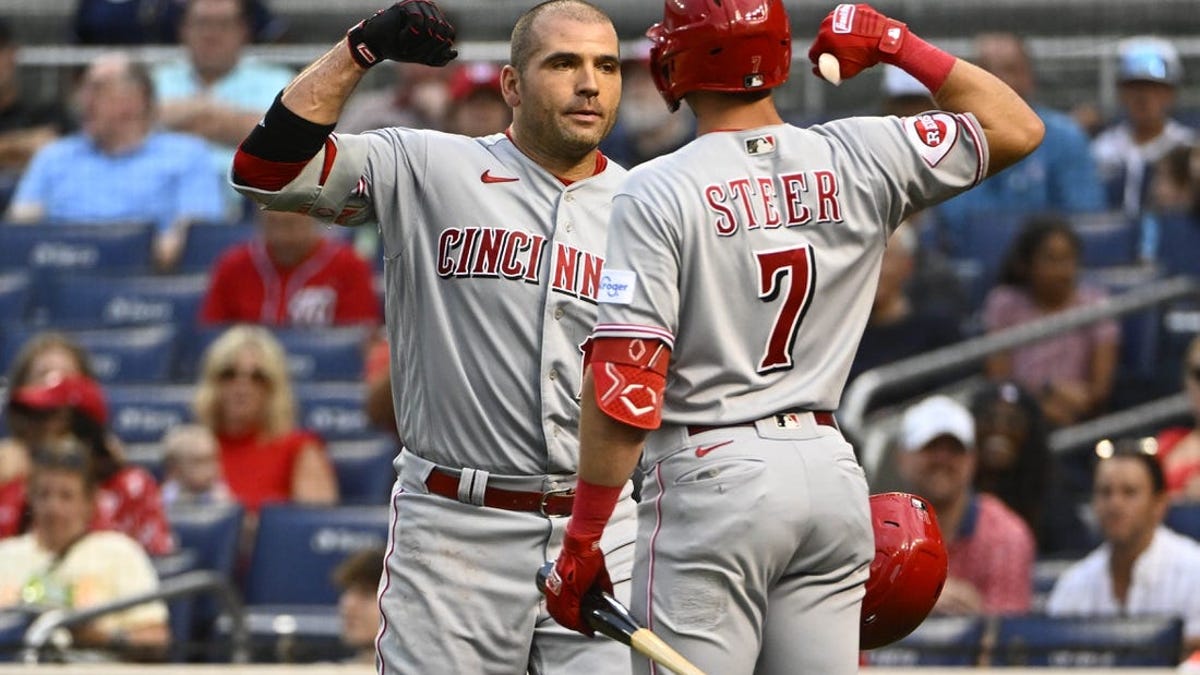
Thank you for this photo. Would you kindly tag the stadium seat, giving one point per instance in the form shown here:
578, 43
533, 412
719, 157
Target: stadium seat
1045, 574
297, 548
295, 634
103, 246
14, 296
1184, 518
143, 413
1108, 239
334, 410
210, 534
124, 301
1088, 642
1138, 355
986, 241
190, 354
13, 624
1178, 242
364, 469
938, 641
324, 354
118, 355
205, 242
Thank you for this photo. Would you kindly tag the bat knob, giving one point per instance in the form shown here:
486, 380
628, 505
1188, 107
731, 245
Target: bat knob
543, 574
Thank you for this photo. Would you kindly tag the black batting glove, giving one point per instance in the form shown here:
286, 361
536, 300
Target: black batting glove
413, 31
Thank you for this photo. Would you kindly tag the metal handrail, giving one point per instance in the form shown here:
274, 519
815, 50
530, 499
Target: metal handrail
867, 386
186, 584
1117, 424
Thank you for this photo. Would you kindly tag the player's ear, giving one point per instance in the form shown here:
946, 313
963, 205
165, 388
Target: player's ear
509, 79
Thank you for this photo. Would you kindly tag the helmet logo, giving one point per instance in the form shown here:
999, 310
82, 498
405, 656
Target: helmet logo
753, 81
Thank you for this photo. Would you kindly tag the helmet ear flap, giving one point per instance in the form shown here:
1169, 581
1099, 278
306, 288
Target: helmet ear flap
660, 67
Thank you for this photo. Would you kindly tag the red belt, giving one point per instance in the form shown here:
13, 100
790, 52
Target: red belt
550, 503
822, 417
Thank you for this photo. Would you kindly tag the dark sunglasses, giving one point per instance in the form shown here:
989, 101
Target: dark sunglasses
256, 375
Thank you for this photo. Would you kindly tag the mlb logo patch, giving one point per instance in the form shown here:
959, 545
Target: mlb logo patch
753, 81
788, 421
760, 145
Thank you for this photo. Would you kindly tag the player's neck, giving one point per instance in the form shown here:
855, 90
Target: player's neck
563, 167
717, 112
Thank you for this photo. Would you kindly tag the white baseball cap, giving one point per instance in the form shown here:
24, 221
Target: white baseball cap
936, 416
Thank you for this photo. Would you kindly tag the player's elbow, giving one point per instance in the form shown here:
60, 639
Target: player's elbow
1021, 135
1029, 133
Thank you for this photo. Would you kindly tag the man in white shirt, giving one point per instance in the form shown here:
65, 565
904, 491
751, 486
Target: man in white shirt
1142, 568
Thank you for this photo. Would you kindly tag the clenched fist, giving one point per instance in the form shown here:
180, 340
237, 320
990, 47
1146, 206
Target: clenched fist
579, 568
413, 31
859, 37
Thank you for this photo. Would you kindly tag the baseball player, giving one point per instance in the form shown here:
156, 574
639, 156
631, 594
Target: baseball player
738, 279
493, 249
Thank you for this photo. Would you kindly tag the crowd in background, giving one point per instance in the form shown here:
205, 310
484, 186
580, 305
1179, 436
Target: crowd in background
153, 142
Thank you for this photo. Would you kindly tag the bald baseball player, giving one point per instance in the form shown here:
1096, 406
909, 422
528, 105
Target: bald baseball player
740, 272
493, 249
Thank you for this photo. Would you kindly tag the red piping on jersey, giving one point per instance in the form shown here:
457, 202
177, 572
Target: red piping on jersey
330, 155
601, 160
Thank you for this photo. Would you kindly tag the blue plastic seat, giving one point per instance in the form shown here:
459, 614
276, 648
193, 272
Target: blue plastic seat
102, 246
364, 469
210, 534
324, 354
1178, 242
297, 549
1184, 518
938, 641
118, 355
143, 413
205, 242
1140, 330
15, 291
1108, 239
124, 300
335, 411
1088, 642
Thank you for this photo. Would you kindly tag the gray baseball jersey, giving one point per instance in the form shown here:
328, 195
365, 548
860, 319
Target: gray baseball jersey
754, 255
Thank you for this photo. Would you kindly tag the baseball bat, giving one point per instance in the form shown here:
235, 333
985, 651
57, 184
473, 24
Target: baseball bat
608, 616
830, 69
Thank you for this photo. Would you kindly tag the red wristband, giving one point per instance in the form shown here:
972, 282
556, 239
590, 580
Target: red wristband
928, 64
591, 510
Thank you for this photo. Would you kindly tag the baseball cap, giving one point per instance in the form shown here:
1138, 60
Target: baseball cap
897, 83
936, 416
72, 391
472, 77
1148, 59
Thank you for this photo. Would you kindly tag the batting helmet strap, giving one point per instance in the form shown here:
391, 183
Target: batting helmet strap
908, 571
719, 45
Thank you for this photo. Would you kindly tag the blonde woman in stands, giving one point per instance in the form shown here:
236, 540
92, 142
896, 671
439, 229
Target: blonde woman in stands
245, 397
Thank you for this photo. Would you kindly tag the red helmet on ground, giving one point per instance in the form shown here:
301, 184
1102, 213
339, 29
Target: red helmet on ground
908, 572
719, 45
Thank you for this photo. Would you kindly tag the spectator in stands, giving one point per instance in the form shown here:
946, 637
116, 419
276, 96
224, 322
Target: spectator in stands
897, 327
903, 94
645, 127
358, 578
1142, 568
119, 167
417, 97
245, 397
1058, 177
135, 22
1149, 73
1179, 447
476, 106
1015, 464
192, 468
127, 497
293, 275
217, 92
1070, 373
990, 548
25, 125
62, 563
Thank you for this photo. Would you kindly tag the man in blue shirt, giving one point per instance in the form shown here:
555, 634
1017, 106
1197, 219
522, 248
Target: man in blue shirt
1059, 176
119, 168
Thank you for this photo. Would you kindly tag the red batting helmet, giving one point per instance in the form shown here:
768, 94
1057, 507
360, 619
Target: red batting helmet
908, 571
719, 45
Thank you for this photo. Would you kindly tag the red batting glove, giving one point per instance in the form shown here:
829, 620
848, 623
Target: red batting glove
579, 569
859, 37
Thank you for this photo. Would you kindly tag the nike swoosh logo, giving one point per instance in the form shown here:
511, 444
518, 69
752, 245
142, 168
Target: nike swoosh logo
487, 177
705, 449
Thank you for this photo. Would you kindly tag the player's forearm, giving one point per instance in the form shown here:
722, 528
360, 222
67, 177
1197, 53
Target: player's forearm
1012, 128
609, 449
320, 91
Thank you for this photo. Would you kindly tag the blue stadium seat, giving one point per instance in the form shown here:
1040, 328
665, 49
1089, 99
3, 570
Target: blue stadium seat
295, 634
1184, 518
1140, 330
324, 354
205, 242
297, 548
14, 295
334, 410
210, 534
13, 624
986, 241
938, 641
118, 355
1178, 242
1046, 572
123, 300
1108, 239
364, 469
190, 354
103, 246
143, 413
1088, 642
